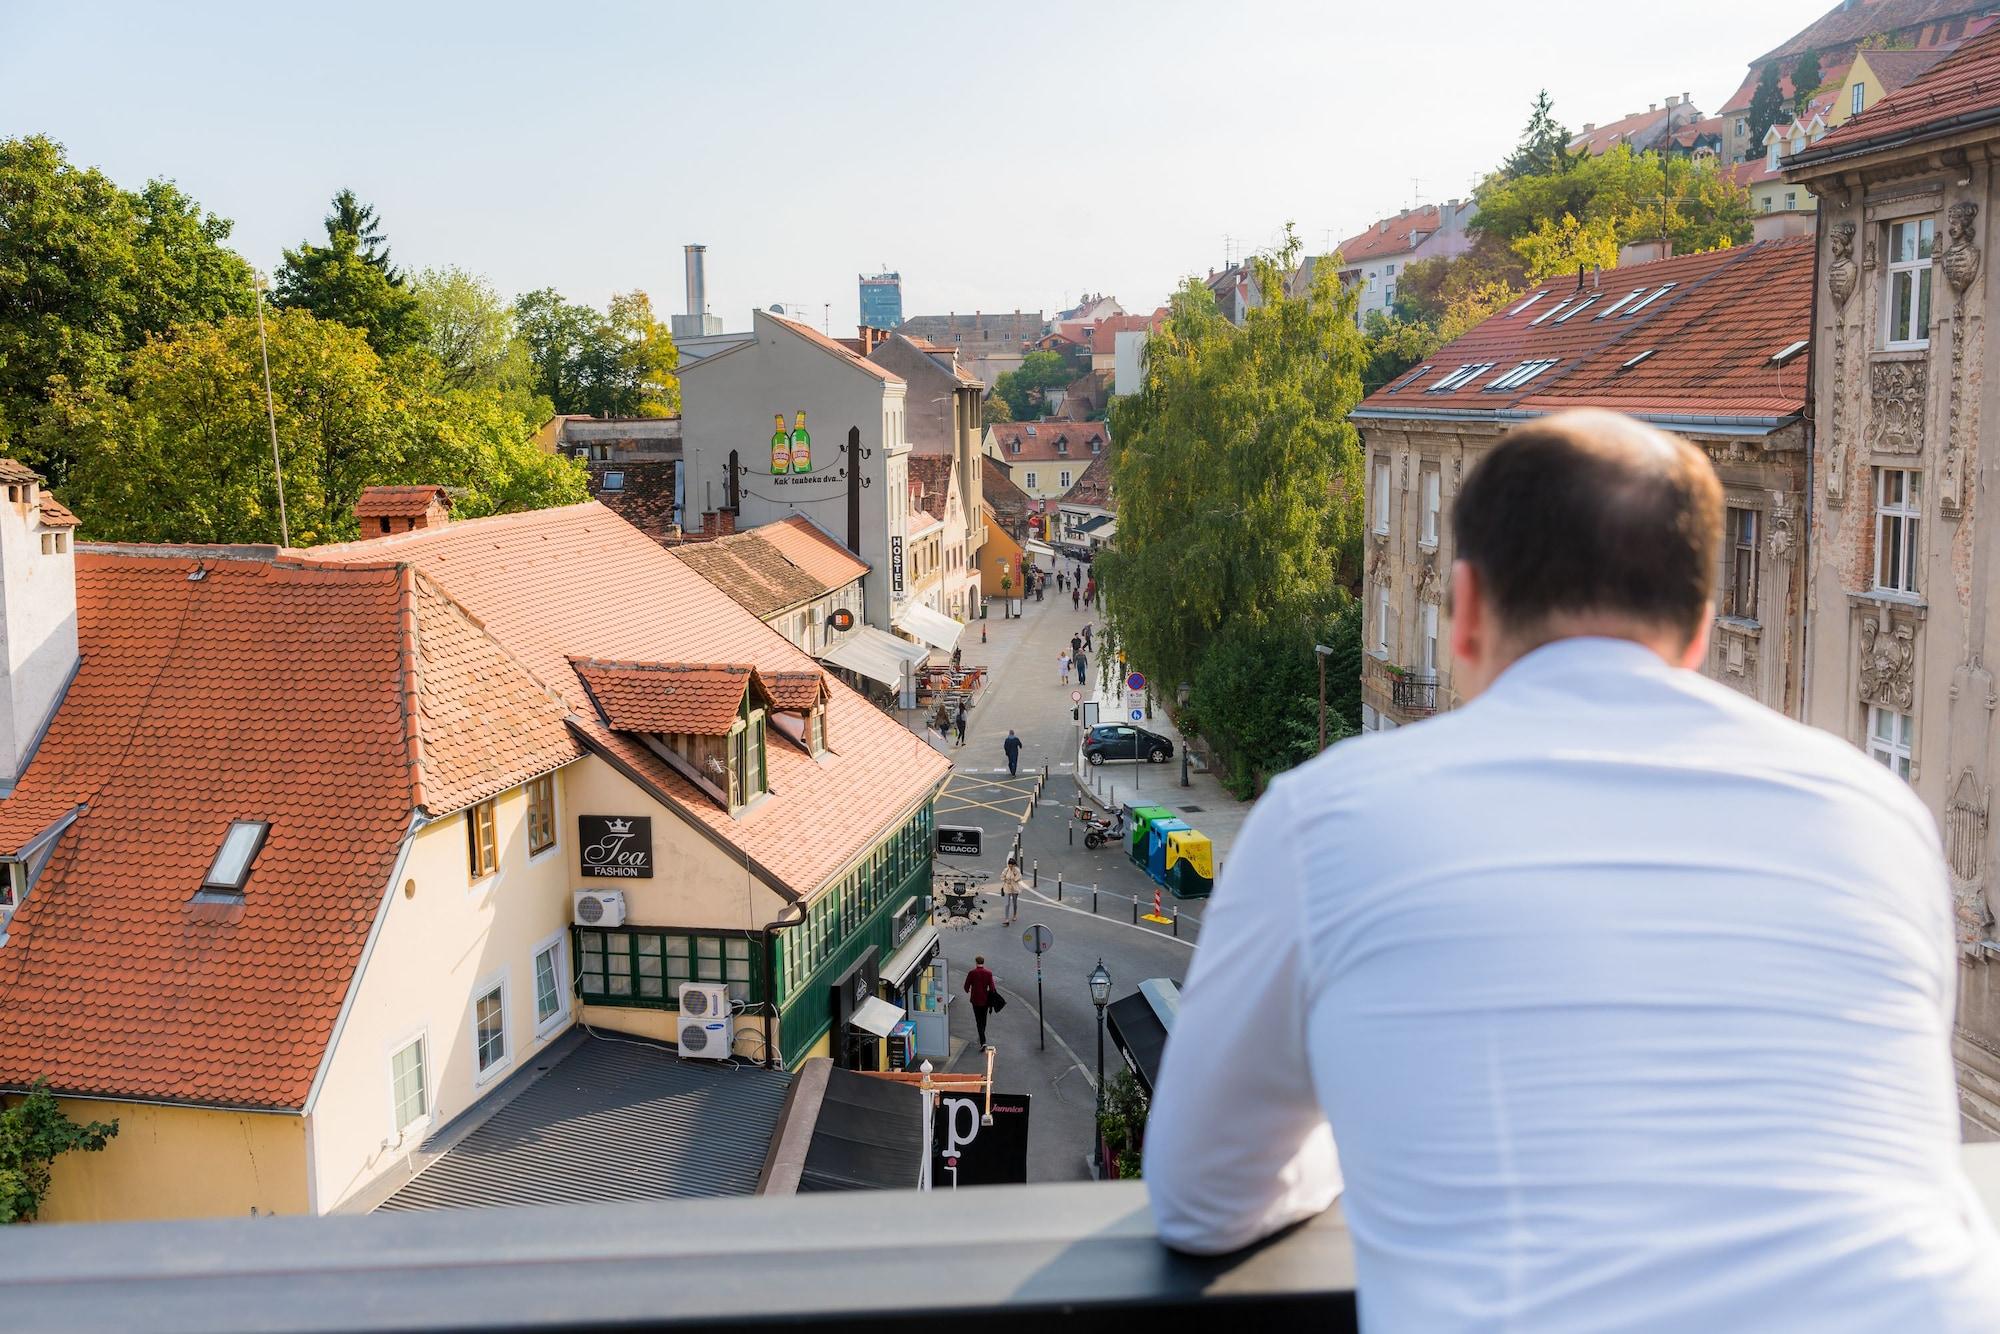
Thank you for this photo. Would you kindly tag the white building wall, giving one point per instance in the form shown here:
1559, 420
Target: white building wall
1128, 361
37, 623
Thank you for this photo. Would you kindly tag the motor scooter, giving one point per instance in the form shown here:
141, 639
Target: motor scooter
1096, 830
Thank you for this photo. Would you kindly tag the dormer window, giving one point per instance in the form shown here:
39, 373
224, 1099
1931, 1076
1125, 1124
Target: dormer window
707, 721
230, 870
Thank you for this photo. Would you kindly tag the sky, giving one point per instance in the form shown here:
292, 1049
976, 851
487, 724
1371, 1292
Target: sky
997, 156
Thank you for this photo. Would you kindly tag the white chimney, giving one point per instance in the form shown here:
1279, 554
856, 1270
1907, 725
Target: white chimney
37, 615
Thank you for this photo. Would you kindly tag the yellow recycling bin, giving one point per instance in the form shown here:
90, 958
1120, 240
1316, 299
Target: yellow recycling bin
1190, 864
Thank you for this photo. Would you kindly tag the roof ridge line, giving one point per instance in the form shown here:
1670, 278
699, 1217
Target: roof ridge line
466, 614
412, 670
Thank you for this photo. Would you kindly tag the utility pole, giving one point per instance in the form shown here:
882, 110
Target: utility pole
1321, 651
270, 410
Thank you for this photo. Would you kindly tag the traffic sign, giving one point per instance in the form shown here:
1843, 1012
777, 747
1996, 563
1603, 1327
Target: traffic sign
1038, 938
1138, 715
1135, 682
1076, 697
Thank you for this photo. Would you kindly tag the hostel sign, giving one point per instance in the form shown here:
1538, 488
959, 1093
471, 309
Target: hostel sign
616, 847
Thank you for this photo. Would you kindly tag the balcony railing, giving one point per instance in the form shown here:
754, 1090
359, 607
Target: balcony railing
1055, 1257
1414, 696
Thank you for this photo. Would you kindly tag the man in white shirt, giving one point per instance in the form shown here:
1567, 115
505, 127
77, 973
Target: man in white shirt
1627, 1001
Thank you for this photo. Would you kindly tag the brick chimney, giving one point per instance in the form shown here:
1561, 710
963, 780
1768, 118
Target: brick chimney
385, 510
37, 614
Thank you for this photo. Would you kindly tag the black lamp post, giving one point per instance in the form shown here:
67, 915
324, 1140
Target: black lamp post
1100, 995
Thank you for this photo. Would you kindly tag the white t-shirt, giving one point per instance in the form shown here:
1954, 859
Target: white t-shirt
1628, 1002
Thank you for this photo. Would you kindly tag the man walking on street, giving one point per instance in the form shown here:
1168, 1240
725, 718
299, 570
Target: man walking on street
1610, 1000
1076, 598
979, 986
959, 722
1080, 664
1012, 745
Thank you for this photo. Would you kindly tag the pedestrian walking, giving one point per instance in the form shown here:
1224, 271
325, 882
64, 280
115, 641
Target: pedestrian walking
1040, 584
1060, 577
979, 986
1010, 892
1086, 635
1075, 598
959, 722
1062, 667
1075, 645
1081, 662
1090, 591
1012, 745
954, 659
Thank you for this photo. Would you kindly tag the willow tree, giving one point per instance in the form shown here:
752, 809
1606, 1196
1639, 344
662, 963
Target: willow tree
1237, 472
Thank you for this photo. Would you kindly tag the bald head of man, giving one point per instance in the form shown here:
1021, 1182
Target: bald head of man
1583, 524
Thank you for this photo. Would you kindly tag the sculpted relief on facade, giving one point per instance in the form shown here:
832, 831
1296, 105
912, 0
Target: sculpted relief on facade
1960, 261
1888, 662
1965, 816
1842, 276
1896, 390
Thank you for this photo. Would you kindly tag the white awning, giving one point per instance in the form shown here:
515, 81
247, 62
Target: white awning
875, 654
933, 627
1034, 548
877, 1016
910, 955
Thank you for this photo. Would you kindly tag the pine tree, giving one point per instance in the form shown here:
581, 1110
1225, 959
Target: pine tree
1767, 106
1544, 145
1806, 80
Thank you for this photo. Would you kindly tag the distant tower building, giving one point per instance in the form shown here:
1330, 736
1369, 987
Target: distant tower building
882, 300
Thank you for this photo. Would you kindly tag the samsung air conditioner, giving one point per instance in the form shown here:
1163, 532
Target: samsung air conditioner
704, 1021
598, 907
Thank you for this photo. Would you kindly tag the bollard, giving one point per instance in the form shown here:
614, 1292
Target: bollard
1177, 921
1135, 910
1059, 881
1038, 873
1093, 899
1072, 831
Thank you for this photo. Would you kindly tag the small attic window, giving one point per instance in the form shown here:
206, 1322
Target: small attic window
1651, 299
1031, 432
231, 867
1410, 379
1636, 360
614, 481
1525, 304
1787, 352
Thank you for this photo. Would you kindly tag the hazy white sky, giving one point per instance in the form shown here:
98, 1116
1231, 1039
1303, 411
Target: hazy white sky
999, 155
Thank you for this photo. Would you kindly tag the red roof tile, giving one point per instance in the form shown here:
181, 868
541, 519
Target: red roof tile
1964, 83
399, 502
796, 692
1104, 338
1851, 22
1603, 138
930, 482
831, 346
806, 545
13, 470
1094, 487
54, 513
753, 570
670, 697
997, 491
1045, 441
1708, 343
1392, 236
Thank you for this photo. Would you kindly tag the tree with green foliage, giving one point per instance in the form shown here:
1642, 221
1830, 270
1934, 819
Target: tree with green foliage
1239, 481
1767, 106
1544, 146
349, 280
1025, 390
185, 456
1806, 79
997, 411
1255, 692
469, 330
88, 272
34, 1132
619, 363
1611, 200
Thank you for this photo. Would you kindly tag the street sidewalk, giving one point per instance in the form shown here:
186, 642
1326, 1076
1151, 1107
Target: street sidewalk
1203, 802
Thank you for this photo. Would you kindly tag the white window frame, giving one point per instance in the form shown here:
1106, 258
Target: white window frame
496, 982
1427, 641
1919, 272
1620, 304
1031, 481
1858, 100
1899, 531
1432, 484
1062, 479
1740, 522
1663, 290
565, 984
428, 1117
1381, 622
1382, 496
1899, 748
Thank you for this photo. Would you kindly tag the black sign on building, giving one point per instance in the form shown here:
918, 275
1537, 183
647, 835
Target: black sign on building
616, 847
965, 1152
855, 985
960, 840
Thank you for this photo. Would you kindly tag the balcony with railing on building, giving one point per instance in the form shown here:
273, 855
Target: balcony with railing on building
1412, 694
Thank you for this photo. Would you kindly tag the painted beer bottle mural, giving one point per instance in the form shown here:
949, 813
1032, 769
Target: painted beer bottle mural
781, 446
802, 446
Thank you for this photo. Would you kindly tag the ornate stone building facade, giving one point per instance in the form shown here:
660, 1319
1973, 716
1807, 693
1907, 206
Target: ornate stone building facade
1903, 600
1710, 346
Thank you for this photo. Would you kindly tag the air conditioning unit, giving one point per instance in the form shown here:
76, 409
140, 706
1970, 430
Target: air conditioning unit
598, 907
704, 1028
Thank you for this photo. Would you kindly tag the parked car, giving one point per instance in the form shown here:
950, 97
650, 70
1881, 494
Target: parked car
1122, 741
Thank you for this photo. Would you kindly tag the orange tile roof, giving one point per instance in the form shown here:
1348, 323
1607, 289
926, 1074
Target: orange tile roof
1008, 502
1604, 138
578, 581
13, 470
833, 347
260, 691
700, 699
1708, 344
796, 692
1853, 21
753, 570
400, 502
1094, 487
1964, 83
54, 513
930, 482
1104, 338
1391, 236
806, 545
1037, 440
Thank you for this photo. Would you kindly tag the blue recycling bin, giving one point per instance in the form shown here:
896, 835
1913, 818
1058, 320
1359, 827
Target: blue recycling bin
1156, 846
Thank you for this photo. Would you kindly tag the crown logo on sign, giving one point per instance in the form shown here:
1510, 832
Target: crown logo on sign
618, 826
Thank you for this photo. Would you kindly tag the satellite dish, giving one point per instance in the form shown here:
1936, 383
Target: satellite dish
777, 309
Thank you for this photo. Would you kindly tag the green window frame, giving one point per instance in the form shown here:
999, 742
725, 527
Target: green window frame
644, 966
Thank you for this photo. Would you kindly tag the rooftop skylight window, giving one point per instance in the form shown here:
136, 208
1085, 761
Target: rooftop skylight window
1620, 303
1556, 309
1787, 352
614, 481
1461, 376
1522, 373
1525, 304
1651, 299
1636, 360
230, 870
1410, 379
1577, 309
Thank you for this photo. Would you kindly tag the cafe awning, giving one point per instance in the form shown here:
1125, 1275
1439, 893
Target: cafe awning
876, 655
911, 955
1139, 1026
877, 1016
1034, 548
933, 627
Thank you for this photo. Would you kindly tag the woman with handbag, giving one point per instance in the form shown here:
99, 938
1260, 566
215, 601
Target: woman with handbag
985, 996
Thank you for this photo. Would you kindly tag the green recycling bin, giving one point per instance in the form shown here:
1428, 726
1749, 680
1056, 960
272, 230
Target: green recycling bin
1190, 864
1138, 822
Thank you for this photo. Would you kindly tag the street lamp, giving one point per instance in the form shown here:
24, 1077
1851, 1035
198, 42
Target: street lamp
1100, 995
1320, 651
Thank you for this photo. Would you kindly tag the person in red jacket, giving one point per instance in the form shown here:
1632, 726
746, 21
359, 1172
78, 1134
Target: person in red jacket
979, 986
